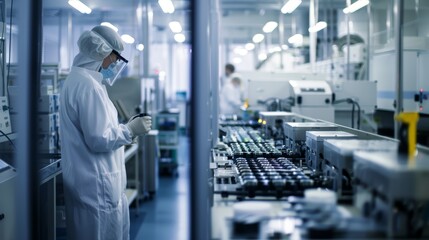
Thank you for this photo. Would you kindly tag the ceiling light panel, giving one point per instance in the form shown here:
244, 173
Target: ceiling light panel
290, 6
175, 27
166, 6
80, 6
269, 26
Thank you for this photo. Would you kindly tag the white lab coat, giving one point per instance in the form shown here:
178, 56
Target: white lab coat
93, 159
230, 99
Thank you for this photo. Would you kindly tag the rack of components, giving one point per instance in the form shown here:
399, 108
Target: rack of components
265, 177
256, 168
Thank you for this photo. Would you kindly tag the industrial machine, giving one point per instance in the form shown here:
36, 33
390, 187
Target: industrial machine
338, 161
314, 141
5, 123
313, 99
355, 100
268, 94
296, 135
272, 124
386, 186
270, 90
252, 166
392, 189
7, 204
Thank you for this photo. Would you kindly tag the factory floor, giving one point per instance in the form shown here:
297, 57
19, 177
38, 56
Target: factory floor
166, 215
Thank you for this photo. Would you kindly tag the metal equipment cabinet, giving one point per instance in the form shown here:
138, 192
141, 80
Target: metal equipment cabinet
167, 123
148, 169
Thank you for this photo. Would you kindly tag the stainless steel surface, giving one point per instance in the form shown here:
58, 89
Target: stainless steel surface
149, 172
49, 171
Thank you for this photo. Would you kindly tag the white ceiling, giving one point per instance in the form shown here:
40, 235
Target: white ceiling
241, 19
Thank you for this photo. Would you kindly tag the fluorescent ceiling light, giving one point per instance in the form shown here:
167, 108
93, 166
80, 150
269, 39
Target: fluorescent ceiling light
240, 51
250, 46
127, 39
258, 38
269, 27
285, 47
296, 39
317, 27
179, 37
140, 47
237, 60
166, 6
290, 6
262, 56
107, 24
80, 6
355, 6
175, 27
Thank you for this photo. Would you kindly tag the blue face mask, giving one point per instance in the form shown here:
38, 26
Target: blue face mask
109, 74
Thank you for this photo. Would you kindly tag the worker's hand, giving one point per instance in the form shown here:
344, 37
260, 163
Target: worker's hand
139, 125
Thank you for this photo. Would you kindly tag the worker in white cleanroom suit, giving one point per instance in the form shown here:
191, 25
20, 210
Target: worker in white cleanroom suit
230, 97
92, 141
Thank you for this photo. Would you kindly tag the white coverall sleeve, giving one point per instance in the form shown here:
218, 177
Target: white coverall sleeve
232, 96
100, 131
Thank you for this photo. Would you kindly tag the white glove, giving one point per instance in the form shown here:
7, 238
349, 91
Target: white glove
139, 125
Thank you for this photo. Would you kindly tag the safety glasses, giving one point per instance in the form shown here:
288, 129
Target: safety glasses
120, 57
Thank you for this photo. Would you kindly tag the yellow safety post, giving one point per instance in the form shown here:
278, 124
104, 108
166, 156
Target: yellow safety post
408, 132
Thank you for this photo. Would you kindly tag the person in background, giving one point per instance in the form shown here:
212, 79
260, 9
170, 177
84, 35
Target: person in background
229, 70
92, 140
231, 96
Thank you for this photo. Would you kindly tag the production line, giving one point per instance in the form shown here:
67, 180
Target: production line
324, 181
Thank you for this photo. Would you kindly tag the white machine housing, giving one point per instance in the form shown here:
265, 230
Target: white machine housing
338, 159
415, 72
363, 92
296, 134
393, 190
313, 99
261, 85
315, 150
